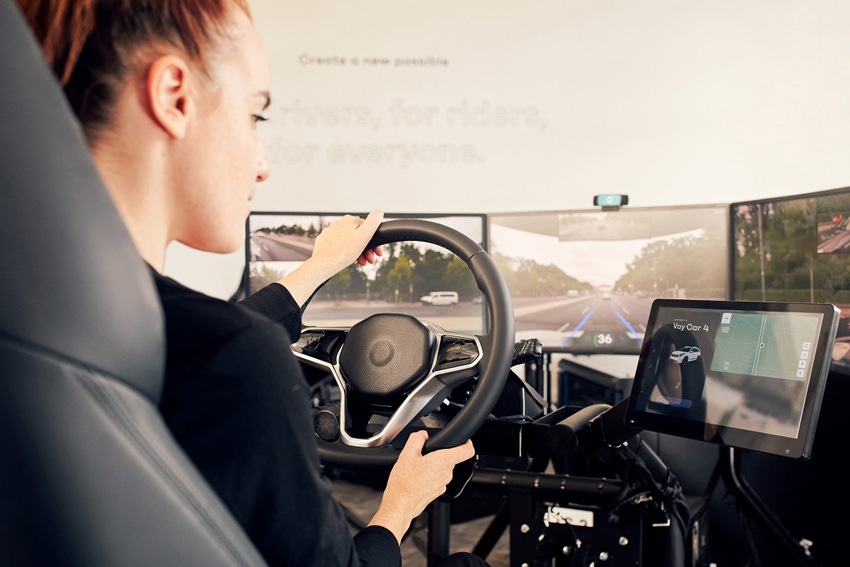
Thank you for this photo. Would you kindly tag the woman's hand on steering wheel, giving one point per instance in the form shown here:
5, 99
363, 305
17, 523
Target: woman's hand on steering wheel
416, 480
340, 244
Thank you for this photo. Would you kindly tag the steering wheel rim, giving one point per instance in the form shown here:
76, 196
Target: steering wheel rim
496, 350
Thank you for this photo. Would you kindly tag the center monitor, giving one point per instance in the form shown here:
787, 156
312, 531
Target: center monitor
583, 281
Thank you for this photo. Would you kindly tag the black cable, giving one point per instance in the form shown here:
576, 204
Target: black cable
644, 485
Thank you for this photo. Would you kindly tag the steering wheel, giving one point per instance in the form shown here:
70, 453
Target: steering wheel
392, 368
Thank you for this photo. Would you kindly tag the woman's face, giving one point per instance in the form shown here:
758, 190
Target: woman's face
227, 157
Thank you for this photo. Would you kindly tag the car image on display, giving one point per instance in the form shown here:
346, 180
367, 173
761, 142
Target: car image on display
687, 354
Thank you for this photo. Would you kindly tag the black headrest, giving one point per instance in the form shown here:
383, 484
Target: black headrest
72, 282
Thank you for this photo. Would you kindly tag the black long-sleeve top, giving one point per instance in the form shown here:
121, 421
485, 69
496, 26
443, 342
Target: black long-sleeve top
236, 400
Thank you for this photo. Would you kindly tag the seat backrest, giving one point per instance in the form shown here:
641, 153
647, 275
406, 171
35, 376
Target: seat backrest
89, 474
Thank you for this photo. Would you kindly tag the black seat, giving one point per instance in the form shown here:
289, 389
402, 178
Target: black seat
89, 474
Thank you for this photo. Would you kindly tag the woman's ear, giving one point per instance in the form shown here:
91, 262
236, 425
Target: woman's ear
168, 89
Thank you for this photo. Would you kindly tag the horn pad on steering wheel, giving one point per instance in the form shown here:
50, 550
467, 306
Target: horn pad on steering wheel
385, 355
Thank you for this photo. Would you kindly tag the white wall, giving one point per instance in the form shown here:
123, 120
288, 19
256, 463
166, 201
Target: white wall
546, 104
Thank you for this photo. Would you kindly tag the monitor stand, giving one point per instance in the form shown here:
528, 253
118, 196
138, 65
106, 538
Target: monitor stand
753, 506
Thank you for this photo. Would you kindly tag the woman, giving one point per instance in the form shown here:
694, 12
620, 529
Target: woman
169, 95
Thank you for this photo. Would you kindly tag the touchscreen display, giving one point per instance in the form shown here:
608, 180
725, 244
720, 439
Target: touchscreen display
741, 374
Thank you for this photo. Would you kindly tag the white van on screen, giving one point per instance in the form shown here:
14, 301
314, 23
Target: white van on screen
440, 298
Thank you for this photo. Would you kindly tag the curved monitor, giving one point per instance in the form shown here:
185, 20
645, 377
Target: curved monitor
416, 278
582, 282
796, 248
742, 374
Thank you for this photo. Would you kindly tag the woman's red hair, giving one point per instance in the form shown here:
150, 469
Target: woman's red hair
92, 44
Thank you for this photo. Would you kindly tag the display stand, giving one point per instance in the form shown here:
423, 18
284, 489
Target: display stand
754, 507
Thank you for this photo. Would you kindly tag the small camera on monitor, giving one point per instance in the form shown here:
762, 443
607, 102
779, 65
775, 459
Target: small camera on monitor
610, 200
